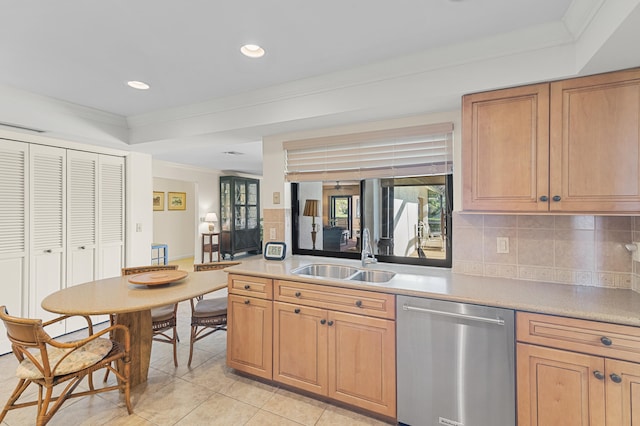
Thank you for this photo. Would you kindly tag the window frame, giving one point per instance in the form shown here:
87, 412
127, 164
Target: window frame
296, 211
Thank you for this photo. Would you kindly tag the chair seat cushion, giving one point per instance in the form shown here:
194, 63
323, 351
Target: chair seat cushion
83, 357
211, 307
162, 313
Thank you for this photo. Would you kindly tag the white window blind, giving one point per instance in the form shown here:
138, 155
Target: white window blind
408, 151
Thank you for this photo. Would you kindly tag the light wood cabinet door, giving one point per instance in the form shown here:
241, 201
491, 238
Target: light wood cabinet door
362, 361
559, 388
623, 393
249, 335
595, 143
300, 347
505, 149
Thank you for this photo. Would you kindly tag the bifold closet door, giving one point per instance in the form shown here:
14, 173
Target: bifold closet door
14, 187
47, 219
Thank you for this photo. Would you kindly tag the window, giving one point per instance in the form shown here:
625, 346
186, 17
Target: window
409, 219
395, 182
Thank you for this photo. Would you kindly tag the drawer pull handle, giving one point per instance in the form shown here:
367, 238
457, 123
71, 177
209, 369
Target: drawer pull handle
246, 302
330, 323
323, 321
606, 341
615, 378
48, 251
359, 303
247, 286
598, 375
298, 294
544, 198
296, 310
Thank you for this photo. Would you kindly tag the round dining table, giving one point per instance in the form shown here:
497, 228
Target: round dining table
133, 303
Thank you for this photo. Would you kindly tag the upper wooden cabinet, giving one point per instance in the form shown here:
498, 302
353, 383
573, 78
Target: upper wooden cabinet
566, 146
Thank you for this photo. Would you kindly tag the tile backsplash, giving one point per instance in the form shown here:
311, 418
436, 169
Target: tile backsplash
578, 250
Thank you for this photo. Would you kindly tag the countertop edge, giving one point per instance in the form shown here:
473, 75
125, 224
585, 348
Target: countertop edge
618, 306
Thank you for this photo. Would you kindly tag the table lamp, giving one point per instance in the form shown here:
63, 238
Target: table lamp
212, 218
311, 210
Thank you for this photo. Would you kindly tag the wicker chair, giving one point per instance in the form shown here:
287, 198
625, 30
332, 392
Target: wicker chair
47, 363
207, 315
164, 319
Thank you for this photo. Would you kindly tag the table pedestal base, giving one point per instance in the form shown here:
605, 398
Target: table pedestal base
140, 330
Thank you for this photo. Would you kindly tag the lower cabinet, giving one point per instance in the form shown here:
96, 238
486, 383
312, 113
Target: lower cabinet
249, 342
330, 341
577, 381
344, 356
250, 325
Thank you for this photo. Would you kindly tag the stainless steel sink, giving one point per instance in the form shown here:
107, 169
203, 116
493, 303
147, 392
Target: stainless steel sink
342, 272
373, 276
326, 271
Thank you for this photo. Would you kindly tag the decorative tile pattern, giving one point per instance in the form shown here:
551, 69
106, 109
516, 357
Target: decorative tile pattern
569, 249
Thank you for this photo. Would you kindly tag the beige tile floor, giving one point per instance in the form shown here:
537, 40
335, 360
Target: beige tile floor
208, 393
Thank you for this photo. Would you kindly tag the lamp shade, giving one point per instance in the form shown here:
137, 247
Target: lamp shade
310, 208
211, 217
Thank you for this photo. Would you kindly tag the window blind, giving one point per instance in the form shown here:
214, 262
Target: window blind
408, 151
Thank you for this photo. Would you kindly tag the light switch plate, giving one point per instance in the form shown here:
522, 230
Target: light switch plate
276, 198
503, 245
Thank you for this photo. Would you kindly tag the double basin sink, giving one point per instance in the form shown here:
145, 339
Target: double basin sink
341, 272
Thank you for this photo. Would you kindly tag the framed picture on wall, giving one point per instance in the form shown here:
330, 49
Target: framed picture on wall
158, 200
177, 201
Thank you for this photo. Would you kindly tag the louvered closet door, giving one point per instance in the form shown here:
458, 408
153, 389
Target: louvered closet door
111, 216
14, 166
47, 228
82, 213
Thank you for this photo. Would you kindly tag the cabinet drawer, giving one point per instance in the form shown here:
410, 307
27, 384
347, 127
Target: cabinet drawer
592, 337
250, 286
335, 298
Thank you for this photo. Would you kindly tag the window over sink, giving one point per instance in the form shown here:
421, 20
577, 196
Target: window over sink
409, 219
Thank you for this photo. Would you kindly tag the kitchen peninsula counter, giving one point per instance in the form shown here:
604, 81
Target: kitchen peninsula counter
618, 306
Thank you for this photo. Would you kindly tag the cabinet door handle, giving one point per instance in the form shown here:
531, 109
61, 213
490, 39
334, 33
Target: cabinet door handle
298, 294
323, 321
48, 251
544, 198
606, 341
246, 302
296, 310
82, 247
598, 375
330, 323
615, 378
556, 198
247, 286
359, 303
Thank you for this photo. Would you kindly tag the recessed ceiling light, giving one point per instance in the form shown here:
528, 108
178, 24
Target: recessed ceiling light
140, 85
252, 51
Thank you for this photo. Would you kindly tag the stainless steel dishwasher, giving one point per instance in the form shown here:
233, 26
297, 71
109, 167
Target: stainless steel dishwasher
456, 364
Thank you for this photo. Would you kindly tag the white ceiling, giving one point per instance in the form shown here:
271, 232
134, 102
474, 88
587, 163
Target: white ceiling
327, 63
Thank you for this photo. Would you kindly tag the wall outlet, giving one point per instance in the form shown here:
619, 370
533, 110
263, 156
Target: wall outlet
502, 245
138, 227
272, 233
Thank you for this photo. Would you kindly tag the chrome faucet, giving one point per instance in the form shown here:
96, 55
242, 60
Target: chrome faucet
366, 250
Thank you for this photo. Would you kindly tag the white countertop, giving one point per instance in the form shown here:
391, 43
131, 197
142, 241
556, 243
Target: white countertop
601, 304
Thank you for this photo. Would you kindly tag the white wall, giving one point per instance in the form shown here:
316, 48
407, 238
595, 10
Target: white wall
139, 217
176, 228
206, 198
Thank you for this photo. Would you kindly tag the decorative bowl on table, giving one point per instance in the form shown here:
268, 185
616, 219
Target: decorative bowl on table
158, 277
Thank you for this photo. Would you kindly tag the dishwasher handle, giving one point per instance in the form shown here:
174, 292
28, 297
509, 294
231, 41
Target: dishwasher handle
498, 321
